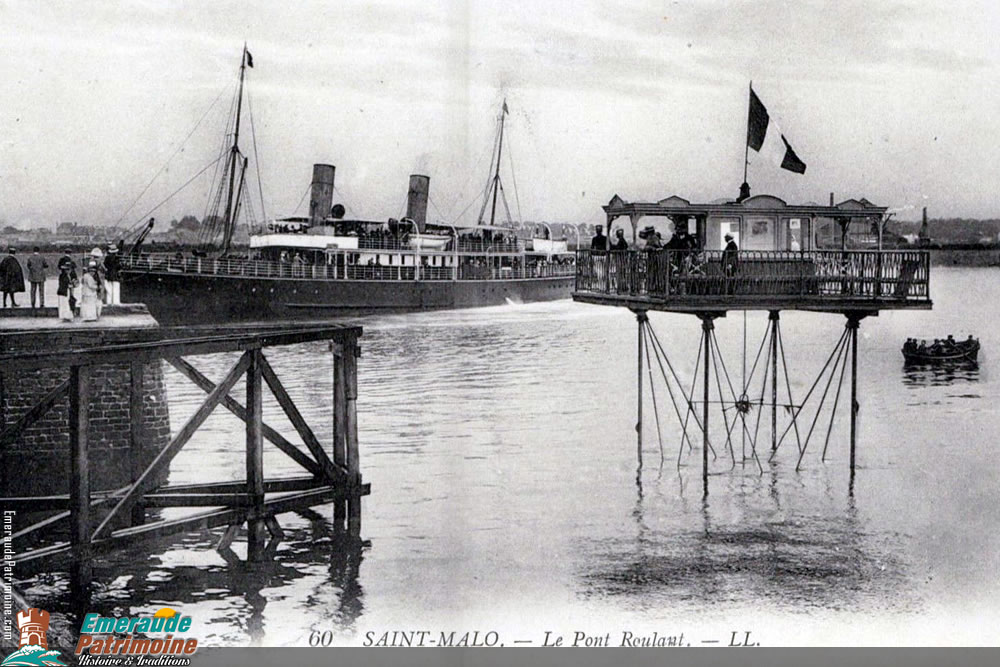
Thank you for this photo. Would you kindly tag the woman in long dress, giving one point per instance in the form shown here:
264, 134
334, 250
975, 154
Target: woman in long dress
90, 286
66, 284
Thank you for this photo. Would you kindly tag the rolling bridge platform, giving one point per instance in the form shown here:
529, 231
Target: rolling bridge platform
793, 262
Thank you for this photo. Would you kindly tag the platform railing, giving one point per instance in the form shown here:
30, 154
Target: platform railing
825, 274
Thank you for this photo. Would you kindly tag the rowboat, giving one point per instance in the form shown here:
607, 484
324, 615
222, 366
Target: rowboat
943, 352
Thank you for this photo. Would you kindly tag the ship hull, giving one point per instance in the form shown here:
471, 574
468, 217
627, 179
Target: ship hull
184, 298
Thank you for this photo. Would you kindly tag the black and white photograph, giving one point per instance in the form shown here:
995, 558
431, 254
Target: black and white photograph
481, 323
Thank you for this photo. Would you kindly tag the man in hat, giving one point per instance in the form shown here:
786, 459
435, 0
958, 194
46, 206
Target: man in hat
36, 275
112, 267
11, 277
730, 261
652, 237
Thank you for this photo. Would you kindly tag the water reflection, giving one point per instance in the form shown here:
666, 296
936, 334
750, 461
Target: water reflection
935, 375
815, 560
225, 595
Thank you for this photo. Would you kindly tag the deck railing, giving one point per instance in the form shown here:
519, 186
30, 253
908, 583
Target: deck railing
670, 274
257, 268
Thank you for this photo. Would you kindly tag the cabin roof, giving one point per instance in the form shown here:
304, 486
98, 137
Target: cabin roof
762, 204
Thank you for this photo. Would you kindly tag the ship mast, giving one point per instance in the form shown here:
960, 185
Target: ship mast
234, 161
495, 185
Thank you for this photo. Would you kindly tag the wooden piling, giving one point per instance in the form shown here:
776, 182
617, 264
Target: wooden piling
136, 438
339, 425
350, 359
81, 571
255, 457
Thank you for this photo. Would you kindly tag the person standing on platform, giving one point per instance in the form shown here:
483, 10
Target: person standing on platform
11, 277
67, 281
36, 275
112, 267
67, 261
92, 291
730, 261
620, 242
600, 241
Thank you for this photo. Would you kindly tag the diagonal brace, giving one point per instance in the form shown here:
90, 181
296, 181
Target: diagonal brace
162, 460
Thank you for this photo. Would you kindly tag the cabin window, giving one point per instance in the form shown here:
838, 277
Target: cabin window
759, 234
796, 234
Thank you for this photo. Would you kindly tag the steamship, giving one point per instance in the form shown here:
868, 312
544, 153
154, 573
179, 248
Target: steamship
325, 265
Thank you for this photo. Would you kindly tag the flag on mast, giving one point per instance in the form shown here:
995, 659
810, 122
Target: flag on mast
250, 59
765, 137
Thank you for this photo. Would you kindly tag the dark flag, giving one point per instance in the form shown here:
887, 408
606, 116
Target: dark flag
756, 123
765, 137
791, 161
249, 60
505, 106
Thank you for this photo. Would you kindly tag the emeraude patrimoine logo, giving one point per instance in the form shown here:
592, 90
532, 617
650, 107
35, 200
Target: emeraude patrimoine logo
33, 648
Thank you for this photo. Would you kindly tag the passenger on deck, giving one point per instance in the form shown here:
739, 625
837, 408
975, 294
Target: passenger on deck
620, 242
654, 241
93, 293
730, 262
11, 277
600, 241
67, 282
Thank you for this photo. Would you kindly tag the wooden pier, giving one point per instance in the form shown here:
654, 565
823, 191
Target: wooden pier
103, 519
853, 283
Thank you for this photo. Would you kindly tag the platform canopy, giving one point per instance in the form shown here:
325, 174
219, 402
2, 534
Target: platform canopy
758, 204
761, 222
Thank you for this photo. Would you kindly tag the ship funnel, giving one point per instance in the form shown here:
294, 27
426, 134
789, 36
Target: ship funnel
321, 198
416, 200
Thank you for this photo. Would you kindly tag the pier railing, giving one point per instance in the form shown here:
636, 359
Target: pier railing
812, 276
258, 268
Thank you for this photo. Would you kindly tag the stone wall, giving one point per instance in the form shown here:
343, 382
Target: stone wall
38, 462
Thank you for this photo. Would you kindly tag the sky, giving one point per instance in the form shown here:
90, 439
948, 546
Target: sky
108, 108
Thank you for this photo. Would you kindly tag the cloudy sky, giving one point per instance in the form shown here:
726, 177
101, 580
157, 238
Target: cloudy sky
894, 101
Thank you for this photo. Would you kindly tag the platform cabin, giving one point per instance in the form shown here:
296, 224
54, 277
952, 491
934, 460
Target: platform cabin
805, 256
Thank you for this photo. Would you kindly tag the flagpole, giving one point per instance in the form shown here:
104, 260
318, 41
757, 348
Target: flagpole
746, 145
745, 188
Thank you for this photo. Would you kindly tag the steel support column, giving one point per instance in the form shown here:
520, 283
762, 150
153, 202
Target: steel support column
707, 326
641, 318
773, 316
853, 322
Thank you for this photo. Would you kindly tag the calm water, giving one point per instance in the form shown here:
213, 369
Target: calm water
500, 446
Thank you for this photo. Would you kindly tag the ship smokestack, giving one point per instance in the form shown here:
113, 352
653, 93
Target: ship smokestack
416, 200
321, 199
